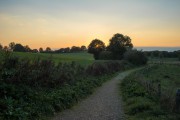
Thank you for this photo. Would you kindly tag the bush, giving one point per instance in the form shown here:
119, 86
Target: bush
140, 104
106, 55
135, 57
30, 89
106, 67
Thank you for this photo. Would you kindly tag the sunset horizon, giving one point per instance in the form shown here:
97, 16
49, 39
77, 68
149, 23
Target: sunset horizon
60, 24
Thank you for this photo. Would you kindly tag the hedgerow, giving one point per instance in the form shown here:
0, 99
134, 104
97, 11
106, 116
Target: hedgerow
31, 89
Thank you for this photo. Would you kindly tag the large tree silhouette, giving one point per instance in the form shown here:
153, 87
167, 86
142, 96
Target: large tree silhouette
95, 47
48, 49
19, 48
1, 47
119, 44
40, 49
12, 45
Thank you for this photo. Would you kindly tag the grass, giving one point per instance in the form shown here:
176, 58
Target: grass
167, 75
141, 103
82, 58
168, 60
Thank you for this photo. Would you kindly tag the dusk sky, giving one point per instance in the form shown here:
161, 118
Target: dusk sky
64, 23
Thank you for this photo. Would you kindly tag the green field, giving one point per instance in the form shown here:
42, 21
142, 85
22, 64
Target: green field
82, 58
144, 100
163, 60
165, 74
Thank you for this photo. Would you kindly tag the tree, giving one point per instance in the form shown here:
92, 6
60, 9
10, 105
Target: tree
6, 48
95, 47
83, 48
34, 50
40, 49
48, 49
19, 48
27, 48
75, 49
66, 50
119, 44
11, 46
1, 47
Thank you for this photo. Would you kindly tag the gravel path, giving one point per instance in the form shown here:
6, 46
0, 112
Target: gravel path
103, 104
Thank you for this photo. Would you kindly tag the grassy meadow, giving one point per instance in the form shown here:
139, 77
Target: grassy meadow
163, 60
82, 58
143, 97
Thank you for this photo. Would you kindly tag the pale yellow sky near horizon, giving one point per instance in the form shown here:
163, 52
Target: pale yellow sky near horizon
66, 23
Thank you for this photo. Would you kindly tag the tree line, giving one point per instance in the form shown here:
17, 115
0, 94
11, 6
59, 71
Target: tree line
162, 54
119, 48
118, 45
17, 47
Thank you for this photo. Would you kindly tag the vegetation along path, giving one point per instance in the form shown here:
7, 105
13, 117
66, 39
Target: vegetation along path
103, 104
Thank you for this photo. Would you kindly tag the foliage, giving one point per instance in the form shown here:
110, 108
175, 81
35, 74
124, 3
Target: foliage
12, 45
83, 48
135, 57
105, 55
27, 48
95, 47
140, 102
162, 54
32, 88
119, 44
75, 49
48, 50
1, 47
19, 48
41, 50
100, 68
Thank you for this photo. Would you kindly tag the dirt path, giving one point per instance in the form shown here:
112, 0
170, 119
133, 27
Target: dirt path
103, 104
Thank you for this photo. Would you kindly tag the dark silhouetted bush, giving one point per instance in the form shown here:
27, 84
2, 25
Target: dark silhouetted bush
106, 55
107, 67
135, 57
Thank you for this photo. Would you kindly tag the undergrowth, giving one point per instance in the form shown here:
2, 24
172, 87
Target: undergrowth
141, 104
34, 89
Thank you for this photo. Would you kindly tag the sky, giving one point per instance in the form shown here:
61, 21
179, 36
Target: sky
64, 23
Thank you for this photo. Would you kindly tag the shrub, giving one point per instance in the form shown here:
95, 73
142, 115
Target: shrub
135, 57
140, 106
106, 55
140, 103
106, 67
30, 89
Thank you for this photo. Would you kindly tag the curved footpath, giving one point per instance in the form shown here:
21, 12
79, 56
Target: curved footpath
103, 104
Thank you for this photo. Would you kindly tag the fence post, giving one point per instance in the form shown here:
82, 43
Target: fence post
159, 90
178, 100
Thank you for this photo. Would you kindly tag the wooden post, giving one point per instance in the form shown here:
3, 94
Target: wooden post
178, 100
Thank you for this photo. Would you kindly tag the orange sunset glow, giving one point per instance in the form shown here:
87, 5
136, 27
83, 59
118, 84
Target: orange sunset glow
65, 23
